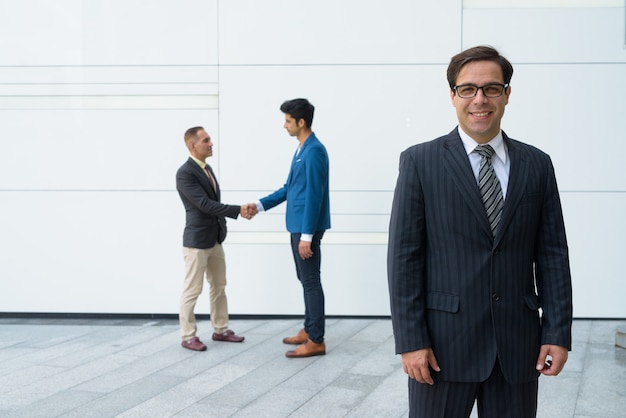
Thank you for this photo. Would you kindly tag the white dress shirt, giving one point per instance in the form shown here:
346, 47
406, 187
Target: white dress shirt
501, 162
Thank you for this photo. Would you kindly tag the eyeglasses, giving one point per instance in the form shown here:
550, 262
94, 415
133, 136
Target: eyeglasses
467, 91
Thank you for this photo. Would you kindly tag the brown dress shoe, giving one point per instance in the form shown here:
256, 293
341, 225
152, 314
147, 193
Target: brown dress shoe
228, 336
308, 349
301, 338
194, 344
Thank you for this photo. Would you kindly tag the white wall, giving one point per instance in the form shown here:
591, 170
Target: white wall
95, 97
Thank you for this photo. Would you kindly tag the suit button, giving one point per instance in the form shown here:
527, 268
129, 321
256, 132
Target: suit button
495, 297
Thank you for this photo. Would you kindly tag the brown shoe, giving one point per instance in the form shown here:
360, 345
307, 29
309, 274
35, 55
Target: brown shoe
308, 349
301, 338
194, 344
228, 336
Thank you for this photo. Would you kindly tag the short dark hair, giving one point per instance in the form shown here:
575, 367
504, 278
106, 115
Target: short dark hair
191, 134
478, 53
299, 109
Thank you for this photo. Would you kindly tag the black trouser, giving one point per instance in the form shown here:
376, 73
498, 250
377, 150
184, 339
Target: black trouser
308, 271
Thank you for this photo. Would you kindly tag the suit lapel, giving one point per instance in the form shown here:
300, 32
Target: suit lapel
518, 175
296, 155
217, 185
458, 166
204, 179
299, 155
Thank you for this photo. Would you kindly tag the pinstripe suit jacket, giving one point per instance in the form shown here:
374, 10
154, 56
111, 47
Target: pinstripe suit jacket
467, 295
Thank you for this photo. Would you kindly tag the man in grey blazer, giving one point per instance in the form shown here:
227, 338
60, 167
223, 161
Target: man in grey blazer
481, 304
205, 230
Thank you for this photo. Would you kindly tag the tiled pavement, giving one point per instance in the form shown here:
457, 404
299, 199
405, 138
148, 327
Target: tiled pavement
136, 368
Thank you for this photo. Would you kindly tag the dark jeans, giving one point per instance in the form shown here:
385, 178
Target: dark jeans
309, 275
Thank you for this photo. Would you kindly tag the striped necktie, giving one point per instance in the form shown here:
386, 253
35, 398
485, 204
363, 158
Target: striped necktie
489, 185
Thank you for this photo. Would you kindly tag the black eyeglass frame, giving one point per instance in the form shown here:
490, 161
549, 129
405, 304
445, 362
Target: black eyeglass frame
482, 88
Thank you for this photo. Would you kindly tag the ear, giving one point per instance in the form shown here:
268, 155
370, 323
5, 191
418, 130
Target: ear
507, 93
452, 97
301, 123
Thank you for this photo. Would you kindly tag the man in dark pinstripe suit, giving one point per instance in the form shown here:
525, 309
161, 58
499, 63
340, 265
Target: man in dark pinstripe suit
479, 311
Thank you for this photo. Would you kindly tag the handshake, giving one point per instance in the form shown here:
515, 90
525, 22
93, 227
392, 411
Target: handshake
248, 210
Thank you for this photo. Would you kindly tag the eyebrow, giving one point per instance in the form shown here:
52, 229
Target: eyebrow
486, 84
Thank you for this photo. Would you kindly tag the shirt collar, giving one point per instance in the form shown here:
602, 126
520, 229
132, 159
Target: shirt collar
496, 143
201, 163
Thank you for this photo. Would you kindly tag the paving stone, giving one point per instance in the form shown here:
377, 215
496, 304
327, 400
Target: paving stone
72, 368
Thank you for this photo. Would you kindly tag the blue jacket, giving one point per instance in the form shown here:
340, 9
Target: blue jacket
306, 190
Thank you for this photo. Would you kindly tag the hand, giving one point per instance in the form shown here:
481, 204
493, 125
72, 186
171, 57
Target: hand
417, 365
248, 210
304, 248
553, 366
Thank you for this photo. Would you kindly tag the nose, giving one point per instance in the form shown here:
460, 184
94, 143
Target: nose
480, 96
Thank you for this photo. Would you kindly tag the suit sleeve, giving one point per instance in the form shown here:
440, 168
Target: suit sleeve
552, 270
189, 187
406, 260
316, 180
274, 199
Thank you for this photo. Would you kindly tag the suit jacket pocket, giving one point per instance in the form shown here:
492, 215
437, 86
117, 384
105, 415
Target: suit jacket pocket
442, 302
532, 301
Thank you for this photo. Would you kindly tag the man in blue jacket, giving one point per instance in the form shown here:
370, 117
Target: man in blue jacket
308, 216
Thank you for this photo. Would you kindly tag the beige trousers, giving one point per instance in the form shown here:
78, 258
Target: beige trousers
198, 263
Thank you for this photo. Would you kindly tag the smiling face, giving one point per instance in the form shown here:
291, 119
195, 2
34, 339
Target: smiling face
480, 116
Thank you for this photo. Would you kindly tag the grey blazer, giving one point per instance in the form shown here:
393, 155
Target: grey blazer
458, 290
205, 215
